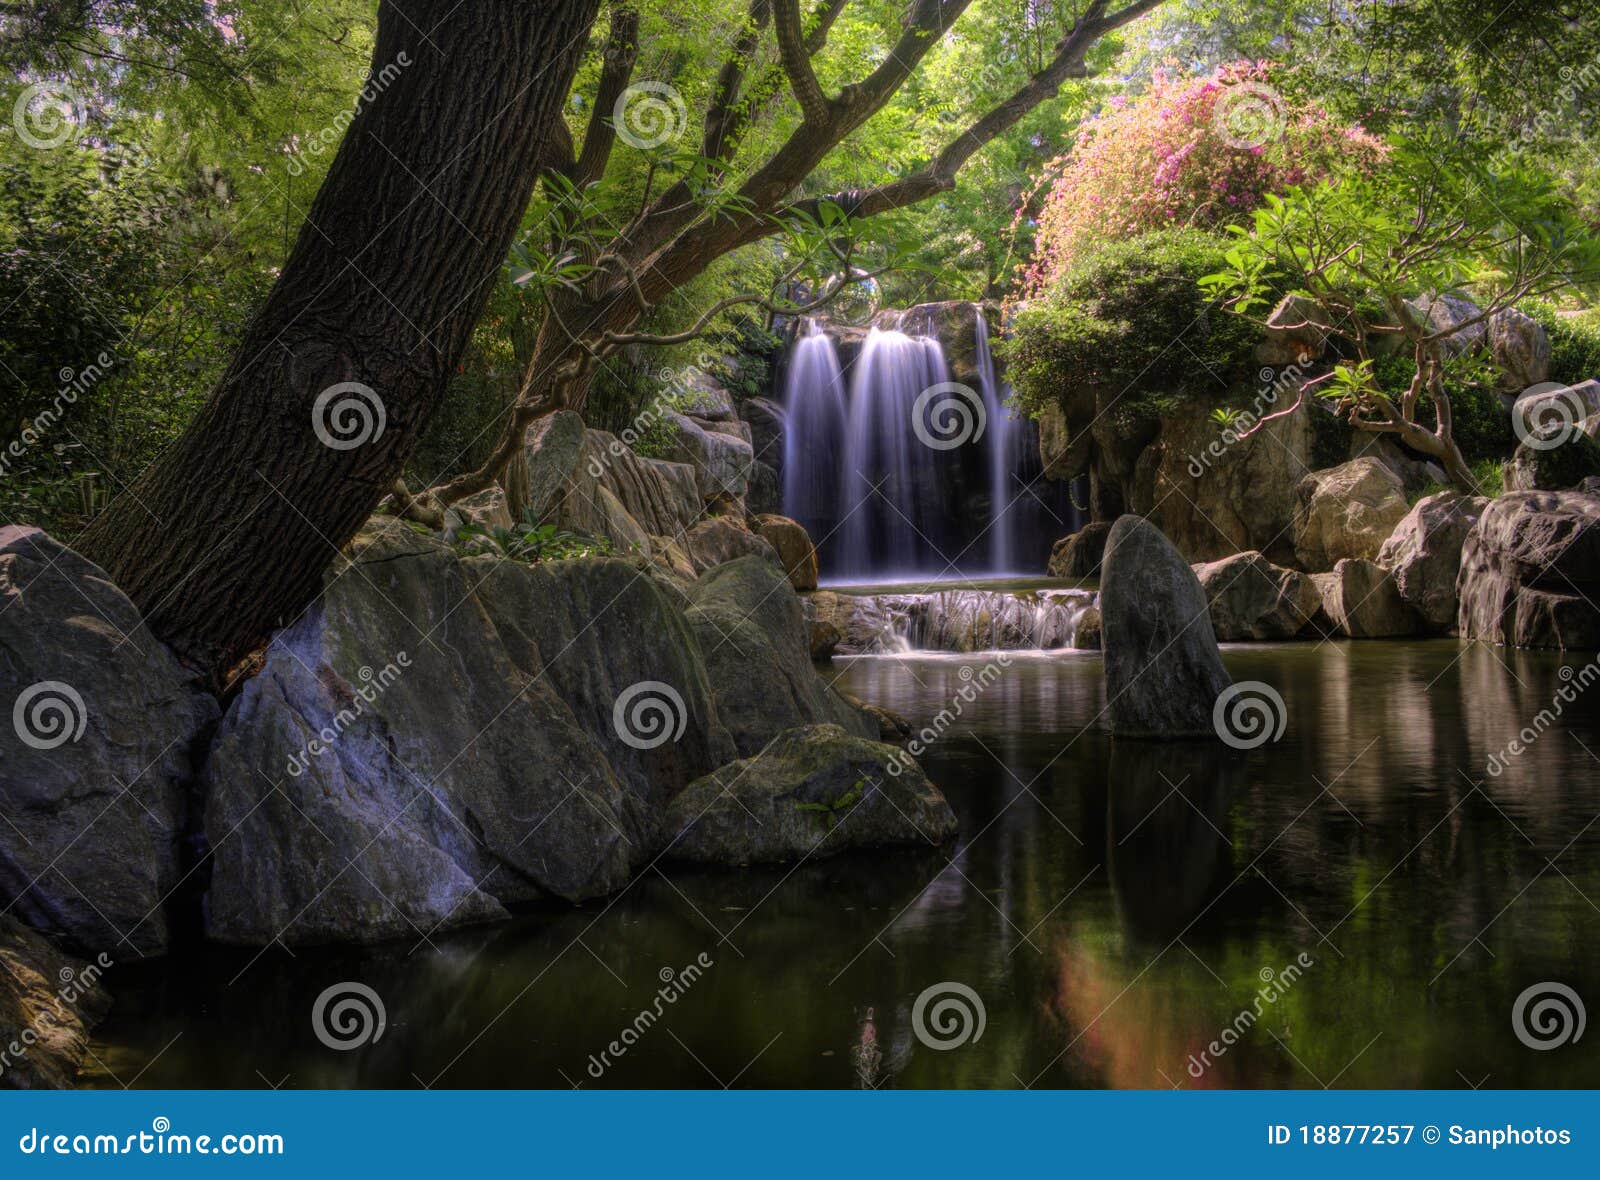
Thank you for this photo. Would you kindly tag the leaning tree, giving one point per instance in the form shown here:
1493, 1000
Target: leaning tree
226, 537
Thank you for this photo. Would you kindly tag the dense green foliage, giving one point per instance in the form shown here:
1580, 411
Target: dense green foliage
1574, 342
1130, 319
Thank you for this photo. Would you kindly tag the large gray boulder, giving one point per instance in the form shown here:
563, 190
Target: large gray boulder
1553, 463
1424, 555
767, 422
721, 459
1346, 511
1163, 670
812, 792
1515, 341
591, 482
1216, 491
757, 651
1530, 571
99, 751
1361, 601
438, 737
1250, 598
48, 1004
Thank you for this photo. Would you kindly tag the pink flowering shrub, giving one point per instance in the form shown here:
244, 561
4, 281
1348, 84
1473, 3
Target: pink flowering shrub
1189, 151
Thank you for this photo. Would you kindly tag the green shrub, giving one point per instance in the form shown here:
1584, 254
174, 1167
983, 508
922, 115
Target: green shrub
530, 542
1130, 321
1574, 342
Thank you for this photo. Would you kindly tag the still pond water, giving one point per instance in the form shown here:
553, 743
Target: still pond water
1113, 907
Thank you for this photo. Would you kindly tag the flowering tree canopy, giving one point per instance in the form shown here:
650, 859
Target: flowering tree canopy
1198, 151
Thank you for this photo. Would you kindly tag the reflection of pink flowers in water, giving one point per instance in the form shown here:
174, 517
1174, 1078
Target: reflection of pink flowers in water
865, 1055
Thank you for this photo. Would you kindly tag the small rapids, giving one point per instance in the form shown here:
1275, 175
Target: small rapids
955, 620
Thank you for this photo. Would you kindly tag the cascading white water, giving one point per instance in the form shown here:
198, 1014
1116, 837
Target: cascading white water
813, 396
959, 620
897, 472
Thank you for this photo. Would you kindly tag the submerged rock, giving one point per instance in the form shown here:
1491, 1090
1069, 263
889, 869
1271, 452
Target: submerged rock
1087, 637
812, 792
1250, 598
96, 757
1530, 571
48, 1003
1163, 670
1346, 511
1361, 601
1424, 555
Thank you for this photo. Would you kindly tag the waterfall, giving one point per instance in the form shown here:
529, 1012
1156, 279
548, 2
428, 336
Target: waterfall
893, 498
897, 471
813, 396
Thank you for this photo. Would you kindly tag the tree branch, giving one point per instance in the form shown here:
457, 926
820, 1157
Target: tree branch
797, 63
620, 53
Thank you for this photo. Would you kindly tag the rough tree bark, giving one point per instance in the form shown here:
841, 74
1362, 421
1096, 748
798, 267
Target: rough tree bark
227, 535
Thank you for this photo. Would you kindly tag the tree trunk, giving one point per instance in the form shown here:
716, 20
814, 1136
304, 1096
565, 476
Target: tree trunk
226, 537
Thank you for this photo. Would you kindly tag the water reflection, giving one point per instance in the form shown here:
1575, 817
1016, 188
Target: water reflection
1114, 905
